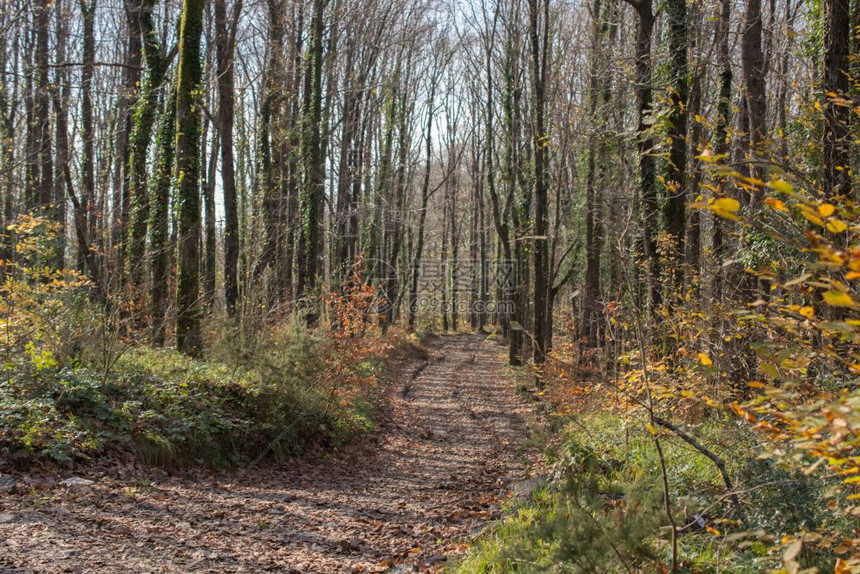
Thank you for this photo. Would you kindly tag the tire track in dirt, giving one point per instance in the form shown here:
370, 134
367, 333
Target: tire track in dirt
404, 499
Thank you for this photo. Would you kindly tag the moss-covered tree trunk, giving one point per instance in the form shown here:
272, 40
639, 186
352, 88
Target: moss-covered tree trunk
159, 223
314, 181
189, 78
674, 209
143, 120
121, 197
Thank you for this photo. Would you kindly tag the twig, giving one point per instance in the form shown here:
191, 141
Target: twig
718, 462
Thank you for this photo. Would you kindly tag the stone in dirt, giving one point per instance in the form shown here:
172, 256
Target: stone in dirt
7, 483
76, 482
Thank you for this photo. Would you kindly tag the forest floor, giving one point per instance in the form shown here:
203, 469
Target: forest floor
446, 453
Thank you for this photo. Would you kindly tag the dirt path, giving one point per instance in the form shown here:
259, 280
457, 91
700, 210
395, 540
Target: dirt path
400, 501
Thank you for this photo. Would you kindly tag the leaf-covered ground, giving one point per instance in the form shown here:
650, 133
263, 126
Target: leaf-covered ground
406, 498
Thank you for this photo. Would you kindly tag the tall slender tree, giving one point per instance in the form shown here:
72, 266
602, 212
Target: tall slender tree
143, 121
41, 117
539, 33
676, 183
314, 160
645, 145
753, 67
226, 34
88, 181
188, 85
837, 112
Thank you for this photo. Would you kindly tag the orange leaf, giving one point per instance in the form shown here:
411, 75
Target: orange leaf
776, 204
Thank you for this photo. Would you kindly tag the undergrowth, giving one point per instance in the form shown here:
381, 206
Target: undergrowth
171, 410
603, 510
77, 383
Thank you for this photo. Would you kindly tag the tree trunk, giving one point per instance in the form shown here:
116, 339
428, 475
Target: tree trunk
591, 316
721, 133
42, 118
645, 145
753, 66
143, 120
273, 202
694, 239
8, 110
539, 52
88, 182
837, 143
225, 52
314, 188
122, 179
676, 186
209, 226
60, 97
189, 79
160, 218
422, 214
752, 59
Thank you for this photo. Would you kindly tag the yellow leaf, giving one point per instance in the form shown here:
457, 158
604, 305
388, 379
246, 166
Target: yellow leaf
705, 360
809, 214
727, 204
713, 531
838, 299
826, 210
836, 226
807, 312
651, 428
756, 384
852, 275
781, 186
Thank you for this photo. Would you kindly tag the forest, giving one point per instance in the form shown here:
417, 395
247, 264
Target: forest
430, 285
